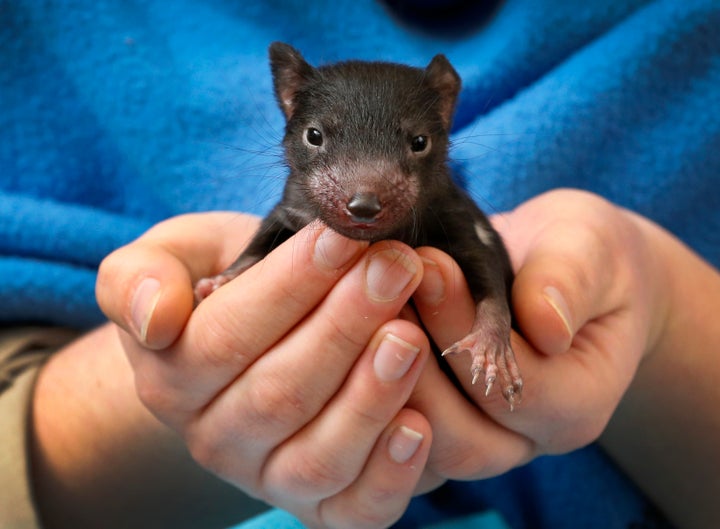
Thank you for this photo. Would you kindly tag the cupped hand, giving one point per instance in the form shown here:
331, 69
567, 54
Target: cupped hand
589, 300
275, 383
291, 380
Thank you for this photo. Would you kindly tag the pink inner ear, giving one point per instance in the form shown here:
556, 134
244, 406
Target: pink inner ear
287, 101
287, 83
443, 78
290, 72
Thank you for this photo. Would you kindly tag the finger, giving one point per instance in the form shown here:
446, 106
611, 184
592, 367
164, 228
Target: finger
146, 287
338, 330
550, 387
569, 269
468, 443
570, 397
256, 309
581, 386
474, 438
448, 312
229, 330
443, 299
382, 492
289, 385
566, 404
330, 452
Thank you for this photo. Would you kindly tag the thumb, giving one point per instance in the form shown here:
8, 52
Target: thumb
566, 269
546, 302
146, 287
147, 292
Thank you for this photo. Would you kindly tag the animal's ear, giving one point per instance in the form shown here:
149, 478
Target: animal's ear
290, 73
443, 78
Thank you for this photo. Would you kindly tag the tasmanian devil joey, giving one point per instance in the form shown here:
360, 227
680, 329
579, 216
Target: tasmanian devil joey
366, 144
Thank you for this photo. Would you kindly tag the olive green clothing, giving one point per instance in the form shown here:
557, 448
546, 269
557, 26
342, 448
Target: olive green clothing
22, 352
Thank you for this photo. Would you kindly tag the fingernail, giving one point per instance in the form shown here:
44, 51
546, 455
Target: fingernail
333, 251
393, 358
432, 288
403, 444
556, 300
388, 273
143, 305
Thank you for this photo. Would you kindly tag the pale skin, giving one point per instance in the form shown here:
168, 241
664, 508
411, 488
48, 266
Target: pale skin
299, 384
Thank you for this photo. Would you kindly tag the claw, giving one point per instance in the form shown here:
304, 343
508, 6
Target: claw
488, 386
492, 357
489, 346
453, 349
511, 401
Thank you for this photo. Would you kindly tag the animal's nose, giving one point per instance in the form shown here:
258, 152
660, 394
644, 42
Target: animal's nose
364, 207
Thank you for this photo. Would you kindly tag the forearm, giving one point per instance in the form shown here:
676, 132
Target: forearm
100, 458
666, 431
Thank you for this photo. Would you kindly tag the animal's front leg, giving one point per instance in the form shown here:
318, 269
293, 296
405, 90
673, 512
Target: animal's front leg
489, 345
272, 232
207, 285
481, 255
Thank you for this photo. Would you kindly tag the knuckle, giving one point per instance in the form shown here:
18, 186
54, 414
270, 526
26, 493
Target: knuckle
274, 404
204, 450
207, 451
157, 398
161, 391
380, 508
312, 477
341, 335
460, 459
369, 519
220, 452
374, 413
218, 344
294, 301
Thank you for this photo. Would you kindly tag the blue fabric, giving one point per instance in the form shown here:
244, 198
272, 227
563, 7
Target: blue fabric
114, 115
581, 489
482, 520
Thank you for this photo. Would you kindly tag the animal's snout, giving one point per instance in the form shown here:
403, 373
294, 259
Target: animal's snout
364, 207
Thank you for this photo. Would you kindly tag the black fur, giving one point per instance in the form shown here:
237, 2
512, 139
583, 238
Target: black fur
369, 111
367, 146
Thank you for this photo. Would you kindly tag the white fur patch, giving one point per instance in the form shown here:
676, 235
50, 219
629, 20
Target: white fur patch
484, 234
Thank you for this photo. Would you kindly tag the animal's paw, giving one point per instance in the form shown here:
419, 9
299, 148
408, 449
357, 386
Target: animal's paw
208, 285
492, 356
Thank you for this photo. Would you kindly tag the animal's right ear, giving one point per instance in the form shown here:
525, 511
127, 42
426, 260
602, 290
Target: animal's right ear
443, 78
290, 73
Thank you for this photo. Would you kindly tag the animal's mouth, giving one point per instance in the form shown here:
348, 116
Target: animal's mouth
363, 222
365, 215
359, 228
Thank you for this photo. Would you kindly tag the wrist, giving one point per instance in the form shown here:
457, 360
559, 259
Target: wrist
667, 417
677, 277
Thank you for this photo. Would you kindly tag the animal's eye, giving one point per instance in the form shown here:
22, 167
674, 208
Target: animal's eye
314, 136
419, 143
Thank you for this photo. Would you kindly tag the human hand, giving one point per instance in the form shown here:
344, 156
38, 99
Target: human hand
589, 298
290, 381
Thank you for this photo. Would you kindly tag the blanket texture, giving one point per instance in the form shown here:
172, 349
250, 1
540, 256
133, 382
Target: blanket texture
115, 115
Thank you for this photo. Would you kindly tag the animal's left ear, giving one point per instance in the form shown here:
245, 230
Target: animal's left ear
443, 78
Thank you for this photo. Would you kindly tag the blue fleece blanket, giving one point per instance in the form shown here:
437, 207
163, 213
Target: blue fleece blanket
114, 115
